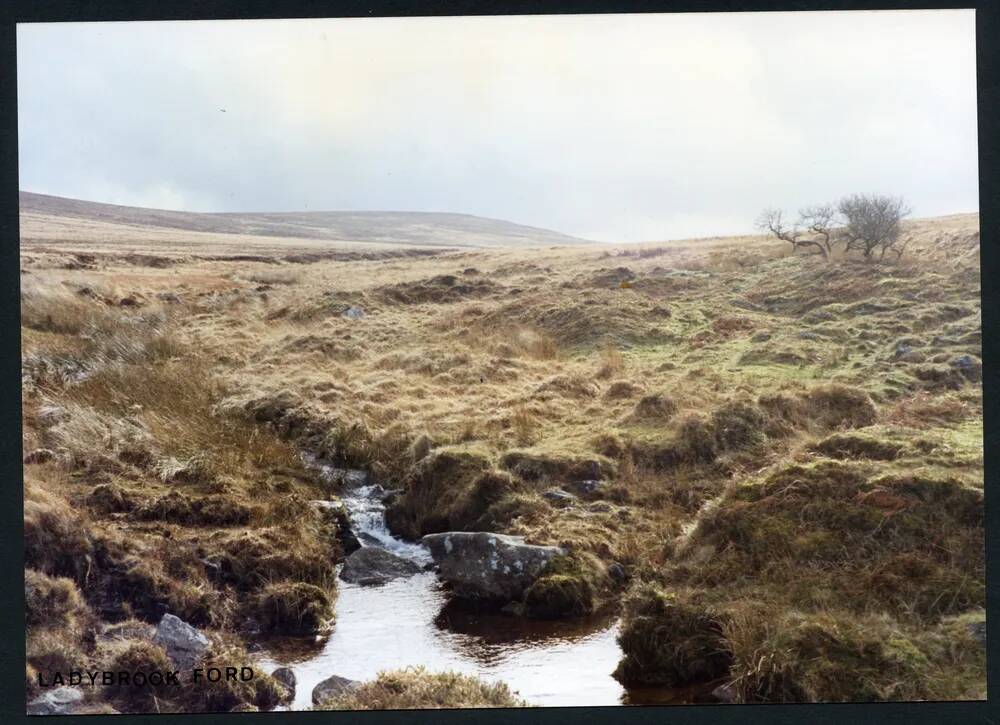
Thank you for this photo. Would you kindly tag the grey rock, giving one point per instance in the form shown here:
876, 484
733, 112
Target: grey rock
373, 565
331, 687
557, 495
354, 313
487, 566
60, 701
184, 644
286, 677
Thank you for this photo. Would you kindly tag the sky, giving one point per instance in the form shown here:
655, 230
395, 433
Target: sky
609, 127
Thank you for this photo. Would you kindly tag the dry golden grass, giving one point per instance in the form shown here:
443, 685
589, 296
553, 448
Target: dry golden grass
415, 688
721, 363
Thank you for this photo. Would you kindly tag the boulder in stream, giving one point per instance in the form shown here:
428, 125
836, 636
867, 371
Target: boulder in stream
374, 565
486, 566
286, 677
331, 687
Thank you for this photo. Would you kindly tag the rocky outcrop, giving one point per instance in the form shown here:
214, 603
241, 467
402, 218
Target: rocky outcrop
375, 565
184, 644
331, 687
486, 566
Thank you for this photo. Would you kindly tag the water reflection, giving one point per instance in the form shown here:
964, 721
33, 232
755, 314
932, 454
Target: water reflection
409, 622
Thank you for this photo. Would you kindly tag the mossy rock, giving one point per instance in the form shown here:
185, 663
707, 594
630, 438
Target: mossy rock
568, 586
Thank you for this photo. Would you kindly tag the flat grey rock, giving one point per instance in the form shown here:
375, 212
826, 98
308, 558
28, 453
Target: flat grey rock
483, 565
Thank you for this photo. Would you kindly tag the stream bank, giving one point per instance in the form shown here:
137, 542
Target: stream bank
410, 621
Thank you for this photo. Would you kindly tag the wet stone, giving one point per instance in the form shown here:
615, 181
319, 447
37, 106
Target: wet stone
374, 565
331, 687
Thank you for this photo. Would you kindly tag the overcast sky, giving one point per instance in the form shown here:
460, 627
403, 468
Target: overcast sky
611, 127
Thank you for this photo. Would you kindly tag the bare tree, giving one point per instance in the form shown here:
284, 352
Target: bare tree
821, 220
872, 222
771, 220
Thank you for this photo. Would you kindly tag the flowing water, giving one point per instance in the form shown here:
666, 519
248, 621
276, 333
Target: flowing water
410, 621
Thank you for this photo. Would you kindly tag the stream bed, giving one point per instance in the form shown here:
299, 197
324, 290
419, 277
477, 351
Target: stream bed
409, 622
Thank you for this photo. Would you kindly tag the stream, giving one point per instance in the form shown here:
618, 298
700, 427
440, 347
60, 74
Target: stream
410, 621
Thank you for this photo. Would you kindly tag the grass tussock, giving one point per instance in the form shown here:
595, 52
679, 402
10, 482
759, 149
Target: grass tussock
416, 688
830, 657
669, 640
827, 532
294, 608
262, 692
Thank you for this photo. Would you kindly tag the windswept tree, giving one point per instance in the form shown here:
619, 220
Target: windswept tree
821, 220
872, 222
863, 222
772, 220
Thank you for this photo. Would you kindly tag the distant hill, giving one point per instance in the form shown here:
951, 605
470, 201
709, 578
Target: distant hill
379, 227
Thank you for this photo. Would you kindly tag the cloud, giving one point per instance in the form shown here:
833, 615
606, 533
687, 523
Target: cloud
617, 127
